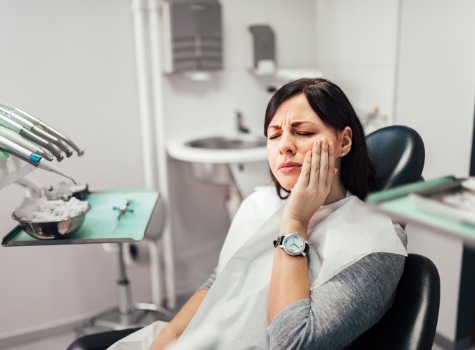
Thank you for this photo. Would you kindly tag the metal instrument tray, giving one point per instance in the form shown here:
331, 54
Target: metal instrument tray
101, 224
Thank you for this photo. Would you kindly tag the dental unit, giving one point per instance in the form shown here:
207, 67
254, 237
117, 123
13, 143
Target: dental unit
40, 125
34, 148
30, 157
19, 129
12, 115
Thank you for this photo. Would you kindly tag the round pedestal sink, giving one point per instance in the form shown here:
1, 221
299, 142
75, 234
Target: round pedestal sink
228, 143
238, 161
211, 156
219, 149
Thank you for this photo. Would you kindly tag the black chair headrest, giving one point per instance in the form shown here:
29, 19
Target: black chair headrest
397, 153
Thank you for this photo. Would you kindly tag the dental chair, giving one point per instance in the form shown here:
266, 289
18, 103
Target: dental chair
411, 322
398, 154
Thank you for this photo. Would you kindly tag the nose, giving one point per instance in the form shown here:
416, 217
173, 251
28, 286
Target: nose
286, 144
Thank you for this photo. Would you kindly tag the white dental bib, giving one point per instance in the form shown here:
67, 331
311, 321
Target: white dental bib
237, 302
236, 305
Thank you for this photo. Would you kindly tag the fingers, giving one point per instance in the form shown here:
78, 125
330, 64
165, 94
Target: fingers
323, 163
304, 176
318, 168
323, 174
331, 163
316, 158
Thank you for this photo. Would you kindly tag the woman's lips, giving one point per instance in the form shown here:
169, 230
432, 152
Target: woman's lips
289, 167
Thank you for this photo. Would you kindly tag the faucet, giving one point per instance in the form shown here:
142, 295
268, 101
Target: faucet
240, 127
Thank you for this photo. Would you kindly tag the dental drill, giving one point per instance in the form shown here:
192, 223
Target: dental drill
33, 147
30, 157
19, 129
12, 115
44, 126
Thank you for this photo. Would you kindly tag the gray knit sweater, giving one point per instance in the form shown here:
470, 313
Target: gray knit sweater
342, 308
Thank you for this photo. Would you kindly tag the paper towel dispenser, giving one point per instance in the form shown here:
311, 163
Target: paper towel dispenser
192, 36
264, 43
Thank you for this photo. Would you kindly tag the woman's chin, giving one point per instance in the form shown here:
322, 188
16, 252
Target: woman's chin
287, 185
287, 182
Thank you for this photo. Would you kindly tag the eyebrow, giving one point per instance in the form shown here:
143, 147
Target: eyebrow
293, 125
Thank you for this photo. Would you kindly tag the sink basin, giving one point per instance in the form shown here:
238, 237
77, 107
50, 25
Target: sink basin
223, 143
219, 149
238, 161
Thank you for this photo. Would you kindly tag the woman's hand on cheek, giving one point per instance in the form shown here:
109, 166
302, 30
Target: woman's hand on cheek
313, 185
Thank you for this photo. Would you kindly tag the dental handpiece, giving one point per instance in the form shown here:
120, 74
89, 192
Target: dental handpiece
33, 147
47, 128
30, 157
10, 113
50, 167
19, 129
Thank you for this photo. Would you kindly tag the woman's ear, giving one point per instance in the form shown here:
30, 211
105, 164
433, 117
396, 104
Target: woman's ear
345, 140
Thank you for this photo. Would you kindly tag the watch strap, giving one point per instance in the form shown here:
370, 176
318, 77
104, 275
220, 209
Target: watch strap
277, 242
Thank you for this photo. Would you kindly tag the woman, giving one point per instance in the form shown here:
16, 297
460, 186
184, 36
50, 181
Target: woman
308, 267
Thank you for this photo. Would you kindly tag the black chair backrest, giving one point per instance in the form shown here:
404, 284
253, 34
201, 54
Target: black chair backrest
411, 322
398, 155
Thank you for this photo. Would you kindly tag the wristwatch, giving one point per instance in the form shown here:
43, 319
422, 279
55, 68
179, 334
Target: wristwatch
293, 244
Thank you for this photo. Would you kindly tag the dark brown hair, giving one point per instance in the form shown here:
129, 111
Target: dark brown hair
335, 110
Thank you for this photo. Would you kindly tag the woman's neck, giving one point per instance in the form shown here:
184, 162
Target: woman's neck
337, 192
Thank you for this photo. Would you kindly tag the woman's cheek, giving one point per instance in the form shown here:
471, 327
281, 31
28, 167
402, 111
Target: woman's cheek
271, 154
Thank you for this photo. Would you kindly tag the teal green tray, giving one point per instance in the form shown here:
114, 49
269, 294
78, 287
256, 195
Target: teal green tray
401, 208
101, 225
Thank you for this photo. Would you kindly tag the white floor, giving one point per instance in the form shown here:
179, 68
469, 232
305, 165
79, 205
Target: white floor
62, 341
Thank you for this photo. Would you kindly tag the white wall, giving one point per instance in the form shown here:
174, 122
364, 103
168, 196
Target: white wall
436, 81
436, 96
416, 61
193, 107
356, 48
200, 222
70, 63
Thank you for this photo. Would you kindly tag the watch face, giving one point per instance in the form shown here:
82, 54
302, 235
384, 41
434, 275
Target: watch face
293, 244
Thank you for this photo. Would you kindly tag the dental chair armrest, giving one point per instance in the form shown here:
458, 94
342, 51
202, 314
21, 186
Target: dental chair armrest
100, 341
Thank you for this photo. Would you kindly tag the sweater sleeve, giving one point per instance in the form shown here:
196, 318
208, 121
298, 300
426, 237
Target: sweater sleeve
342, 308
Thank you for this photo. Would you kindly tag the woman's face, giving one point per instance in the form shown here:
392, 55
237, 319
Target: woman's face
291, 133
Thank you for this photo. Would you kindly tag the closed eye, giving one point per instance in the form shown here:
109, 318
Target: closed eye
305, 133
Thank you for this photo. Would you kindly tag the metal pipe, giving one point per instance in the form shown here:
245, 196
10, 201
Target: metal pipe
161, 153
